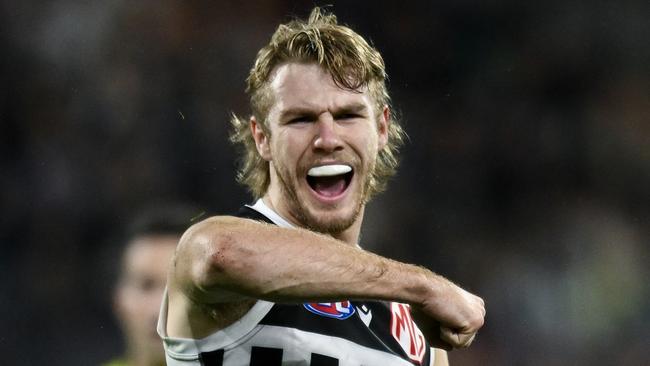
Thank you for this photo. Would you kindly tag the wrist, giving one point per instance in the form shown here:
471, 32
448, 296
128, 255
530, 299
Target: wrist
420, 286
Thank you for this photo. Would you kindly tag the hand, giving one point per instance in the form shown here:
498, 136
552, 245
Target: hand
450, 317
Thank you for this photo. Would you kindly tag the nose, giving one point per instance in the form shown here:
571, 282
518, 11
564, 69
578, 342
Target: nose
327, 137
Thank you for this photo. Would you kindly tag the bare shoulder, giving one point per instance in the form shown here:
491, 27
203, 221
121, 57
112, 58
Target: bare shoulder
197, 306
192, 270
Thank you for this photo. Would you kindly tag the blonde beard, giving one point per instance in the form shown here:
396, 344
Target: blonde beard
313, 223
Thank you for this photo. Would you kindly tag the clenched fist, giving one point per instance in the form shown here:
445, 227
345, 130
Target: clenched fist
449, 316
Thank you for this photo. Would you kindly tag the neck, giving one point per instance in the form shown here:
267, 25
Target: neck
351, 234
277, 203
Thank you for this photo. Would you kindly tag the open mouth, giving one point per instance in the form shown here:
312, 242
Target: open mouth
330, 181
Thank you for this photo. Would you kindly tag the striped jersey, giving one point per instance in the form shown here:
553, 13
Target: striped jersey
344, 333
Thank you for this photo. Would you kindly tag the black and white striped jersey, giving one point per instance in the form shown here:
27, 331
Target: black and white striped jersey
344, 333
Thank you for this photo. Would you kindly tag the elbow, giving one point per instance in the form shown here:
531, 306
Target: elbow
212, 252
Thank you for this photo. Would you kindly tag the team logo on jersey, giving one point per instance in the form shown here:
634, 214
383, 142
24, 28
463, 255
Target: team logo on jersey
407, 334
337, 310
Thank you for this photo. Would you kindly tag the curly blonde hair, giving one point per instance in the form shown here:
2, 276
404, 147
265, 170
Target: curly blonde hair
353, 64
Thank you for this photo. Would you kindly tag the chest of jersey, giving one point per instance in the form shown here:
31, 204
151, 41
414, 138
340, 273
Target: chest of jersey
324, 334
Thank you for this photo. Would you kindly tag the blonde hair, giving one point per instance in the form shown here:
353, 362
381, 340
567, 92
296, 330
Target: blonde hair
353, 64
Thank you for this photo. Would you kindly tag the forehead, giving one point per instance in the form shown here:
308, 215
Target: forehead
308, 85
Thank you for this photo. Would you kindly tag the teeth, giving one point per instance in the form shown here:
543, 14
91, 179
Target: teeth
329, 170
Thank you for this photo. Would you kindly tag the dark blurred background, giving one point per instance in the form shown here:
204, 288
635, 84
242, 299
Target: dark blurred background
526, 178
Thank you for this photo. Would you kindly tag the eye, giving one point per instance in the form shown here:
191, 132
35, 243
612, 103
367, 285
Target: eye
348, 116
300, 119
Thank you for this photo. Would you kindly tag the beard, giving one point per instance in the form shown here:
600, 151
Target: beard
319, 223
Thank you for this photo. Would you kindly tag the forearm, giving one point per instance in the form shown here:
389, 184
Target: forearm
231, 255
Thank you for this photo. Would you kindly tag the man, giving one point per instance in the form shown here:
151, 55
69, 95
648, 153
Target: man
149, 247
286, 282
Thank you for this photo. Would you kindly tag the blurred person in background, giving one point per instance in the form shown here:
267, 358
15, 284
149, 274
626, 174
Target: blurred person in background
149, 246
320, 143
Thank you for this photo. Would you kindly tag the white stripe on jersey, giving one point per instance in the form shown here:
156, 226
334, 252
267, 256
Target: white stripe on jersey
297, 348
186, 348
265, 210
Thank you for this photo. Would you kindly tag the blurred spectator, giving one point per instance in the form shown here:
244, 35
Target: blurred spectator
140, 285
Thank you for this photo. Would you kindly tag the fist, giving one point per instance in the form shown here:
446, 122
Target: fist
451, 315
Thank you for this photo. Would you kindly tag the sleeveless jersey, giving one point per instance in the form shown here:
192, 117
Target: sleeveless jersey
344, 333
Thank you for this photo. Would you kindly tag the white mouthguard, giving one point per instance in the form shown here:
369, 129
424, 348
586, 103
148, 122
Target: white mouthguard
329, 170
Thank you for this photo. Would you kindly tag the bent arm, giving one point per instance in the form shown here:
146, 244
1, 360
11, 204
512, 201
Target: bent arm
228, 259
223, 258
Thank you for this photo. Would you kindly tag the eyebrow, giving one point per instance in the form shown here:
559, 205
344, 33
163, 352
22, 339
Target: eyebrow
306, 111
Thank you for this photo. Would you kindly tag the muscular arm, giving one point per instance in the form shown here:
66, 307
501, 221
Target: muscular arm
227, 259
264, 261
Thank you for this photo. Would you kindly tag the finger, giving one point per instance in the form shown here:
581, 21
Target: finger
456, 339
435, 340
430, 329
449, 336
471, 339
439, 343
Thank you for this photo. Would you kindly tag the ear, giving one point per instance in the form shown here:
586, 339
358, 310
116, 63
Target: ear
261, 139
382, 127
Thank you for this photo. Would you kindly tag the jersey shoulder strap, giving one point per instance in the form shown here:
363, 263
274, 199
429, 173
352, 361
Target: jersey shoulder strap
247, 212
